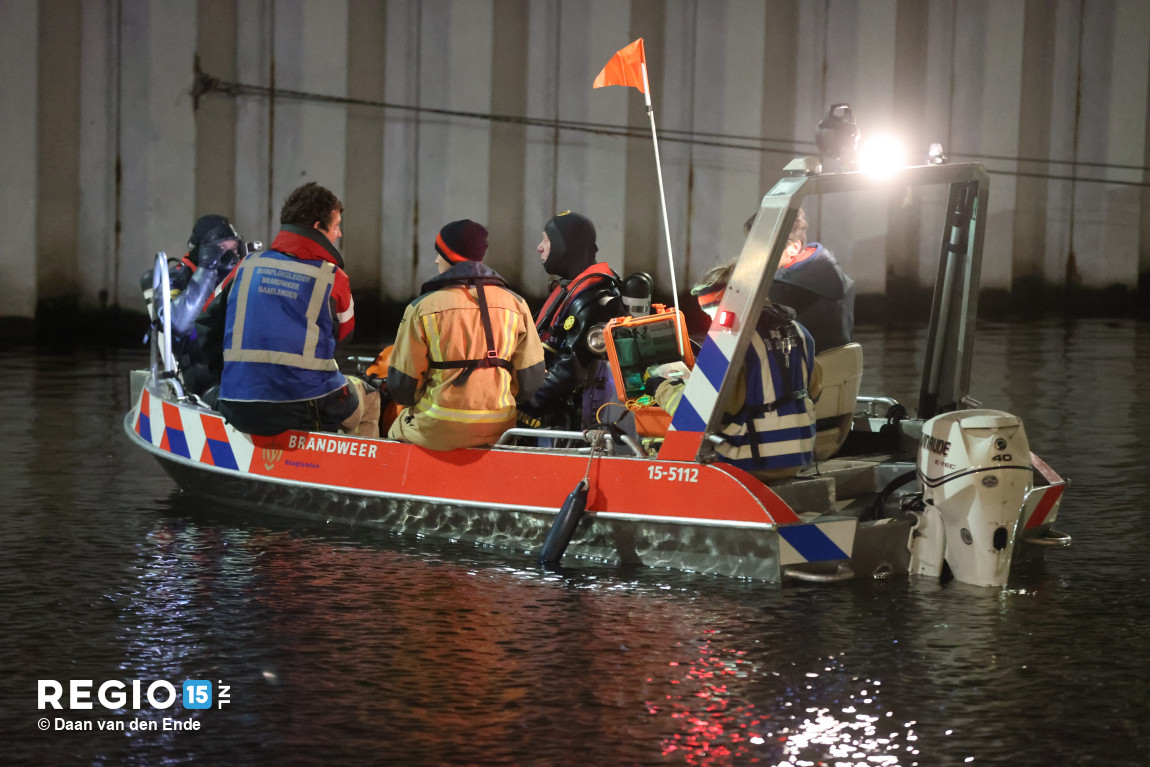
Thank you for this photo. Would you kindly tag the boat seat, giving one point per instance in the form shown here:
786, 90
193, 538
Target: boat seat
834, 412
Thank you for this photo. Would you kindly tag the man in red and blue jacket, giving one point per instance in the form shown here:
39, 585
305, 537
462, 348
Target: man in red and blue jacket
287, 308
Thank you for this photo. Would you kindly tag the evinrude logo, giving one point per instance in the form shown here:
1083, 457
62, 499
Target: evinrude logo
935, 445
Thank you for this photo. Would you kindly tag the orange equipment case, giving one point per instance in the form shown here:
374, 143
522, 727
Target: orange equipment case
635, 344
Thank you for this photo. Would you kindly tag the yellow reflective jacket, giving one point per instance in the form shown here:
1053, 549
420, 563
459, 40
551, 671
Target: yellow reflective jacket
454, 393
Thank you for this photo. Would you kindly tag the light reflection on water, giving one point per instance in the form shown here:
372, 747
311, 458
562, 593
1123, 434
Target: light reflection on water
717, 727
351, 646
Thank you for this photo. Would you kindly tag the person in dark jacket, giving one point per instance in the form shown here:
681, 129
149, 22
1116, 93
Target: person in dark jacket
812, 282
207, 229
214, 249
587, 294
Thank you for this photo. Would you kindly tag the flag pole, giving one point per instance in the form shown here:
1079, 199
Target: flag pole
663, 203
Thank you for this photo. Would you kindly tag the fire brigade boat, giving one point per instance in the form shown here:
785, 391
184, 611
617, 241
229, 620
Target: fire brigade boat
952, 490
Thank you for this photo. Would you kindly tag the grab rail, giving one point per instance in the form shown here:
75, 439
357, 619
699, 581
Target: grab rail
869, 406
521, 431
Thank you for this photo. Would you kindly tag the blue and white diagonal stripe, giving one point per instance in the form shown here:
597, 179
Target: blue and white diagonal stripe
817, 542
702, 390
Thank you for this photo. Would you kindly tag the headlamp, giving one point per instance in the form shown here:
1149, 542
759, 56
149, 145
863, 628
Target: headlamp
597, 338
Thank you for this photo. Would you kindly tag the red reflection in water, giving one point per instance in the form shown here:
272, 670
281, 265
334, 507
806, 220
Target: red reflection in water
714, 727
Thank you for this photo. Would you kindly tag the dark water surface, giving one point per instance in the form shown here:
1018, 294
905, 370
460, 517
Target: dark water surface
348, 646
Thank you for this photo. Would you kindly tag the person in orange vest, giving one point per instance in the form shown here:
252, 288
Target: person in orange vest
466, 350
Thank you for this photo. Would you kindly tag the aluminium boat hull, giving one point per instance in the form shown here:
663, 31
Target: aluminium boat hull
709, 518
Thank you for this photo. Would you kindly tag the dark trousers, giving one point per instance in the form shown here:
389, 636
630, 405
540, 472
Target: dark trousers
270, 418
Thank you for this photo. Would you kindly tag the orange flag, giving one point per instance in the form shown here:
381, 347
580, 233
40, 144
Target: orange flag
624, 68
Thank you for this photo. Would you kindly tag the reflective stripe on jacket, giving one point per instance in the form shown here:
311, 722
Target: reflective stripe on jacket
775, 427
451, 407
279, 342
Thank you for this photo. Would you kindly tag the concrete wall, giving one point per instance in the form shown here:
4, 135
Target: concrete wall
107, 156
19, 185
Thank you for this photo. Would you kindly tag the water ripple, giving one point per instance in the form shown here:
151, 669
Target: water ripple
353, 646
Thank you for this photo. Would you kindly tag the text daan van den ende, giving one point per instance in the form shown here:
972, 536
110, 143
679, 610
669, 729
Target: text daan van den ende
114, 695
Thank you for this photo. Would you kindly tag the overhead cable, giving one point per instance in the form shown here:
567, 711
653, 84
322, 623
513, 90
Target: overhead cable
206, 84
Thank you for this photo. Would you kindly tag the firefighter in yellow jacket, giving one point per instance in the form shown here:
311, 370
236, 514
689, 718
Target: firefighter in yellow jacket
466, 350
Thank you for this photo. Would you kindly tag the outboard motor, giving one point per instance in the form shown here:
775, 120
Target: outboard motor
974, 468
637, 290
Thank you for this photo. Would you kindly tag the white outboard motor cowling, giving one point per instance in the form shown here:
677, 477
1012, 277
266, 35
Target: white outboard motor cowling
974, 468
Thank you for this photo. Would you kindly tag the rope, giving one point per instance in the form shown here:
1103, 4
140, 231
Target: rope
597, 440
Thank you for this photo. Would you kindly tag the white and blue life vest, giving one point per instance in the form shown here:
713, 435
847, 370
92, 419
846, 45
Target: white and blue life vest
775, 428
279, 344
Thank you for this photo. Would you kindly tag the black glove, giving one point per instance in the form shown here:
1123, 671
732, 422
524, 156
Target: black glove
527, 420
217, 257
651, 385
